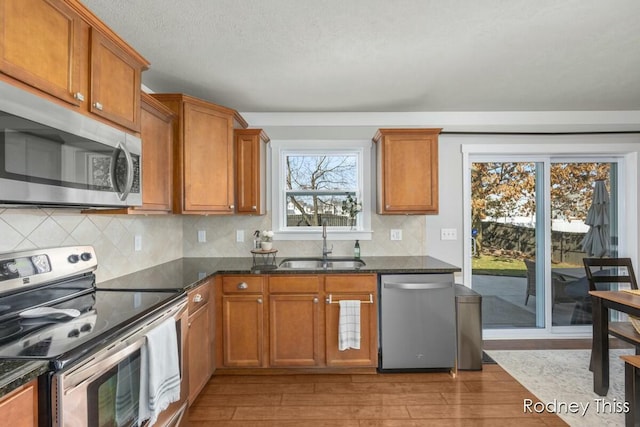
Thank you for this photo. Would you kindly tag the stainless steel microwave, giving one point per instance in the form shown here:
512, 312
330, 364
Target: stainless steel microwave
52, 155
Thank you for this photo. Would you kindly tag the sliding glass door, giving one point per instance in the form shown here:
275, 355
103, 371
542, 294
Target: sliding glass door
529, 222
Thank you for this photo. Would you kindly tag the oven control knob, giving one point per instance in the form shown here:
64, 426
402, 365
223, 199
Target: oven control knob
73, 258
86, 327
86, 256
73, 333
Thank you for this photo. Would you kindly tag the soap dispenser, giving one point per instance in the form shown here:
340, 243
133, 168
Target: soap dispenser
356, 249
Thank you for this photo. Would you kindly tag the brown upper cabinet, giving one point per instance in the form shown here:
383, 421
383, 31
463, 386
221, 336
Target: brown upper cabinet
203, 179
157, 155
250, 145
59, 49
407, 171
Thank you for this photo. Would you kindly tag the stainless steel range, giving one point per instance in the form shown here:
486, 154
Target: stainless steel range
51, 310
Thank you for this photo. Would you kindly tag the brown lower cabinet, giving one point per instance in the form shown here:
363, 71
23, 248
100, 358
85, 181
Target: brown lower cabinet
20, 407
288, 321
199, 339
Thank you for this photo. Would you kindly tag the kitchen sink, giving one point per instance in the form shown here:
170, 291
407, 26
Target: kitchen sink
318, 263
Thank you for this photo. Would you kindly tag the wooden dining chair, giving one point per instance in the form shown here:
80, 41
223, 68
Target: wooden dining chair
602, 274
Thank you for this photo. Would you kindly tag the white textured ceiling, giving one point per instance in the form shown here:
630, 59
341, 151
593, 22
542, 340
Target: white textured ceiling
388, 55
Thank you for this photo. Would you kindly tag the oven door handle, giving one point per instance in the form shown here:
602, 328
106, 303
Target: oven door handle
122, 347
98, 368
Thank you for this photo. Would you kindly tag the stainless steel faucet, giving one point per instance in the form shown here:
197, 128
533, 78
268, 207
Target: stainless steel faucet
325, 251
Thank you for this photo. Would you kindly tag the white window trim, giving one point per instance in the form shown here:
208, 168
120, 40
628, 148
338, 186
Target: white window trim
363, 149
590, 146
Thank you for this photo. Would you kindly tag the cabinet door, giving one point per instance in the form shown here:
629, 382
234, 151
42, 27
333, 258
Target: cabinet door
208, 160
20, 407
294, 330
366, 356
408, 171
200, 358
157, 155
250, 168
242, 330
115, 82
40, 42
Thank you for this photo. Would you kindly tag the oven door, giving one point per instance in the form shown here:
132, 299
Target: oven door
103, 390
52, 155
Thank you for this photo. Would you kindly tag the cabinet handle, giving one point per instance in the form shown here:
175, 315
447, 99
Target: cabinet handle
79, 96
242, 285
259, 300
315, 300
197, 298
97, 106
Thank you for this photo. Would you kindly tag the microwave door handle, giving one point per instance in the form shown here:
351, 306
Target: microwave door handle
114, 162
122, 194
130, 173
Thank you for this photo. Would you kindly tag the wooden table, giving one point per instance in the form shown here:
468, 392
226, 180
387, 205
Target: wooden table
603, 301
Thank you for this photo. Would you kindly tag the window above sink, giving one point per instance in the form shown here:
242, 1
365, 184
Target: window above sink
310, 180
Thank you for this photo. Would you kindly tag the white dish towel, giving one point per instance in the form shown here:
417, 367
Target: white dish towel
349, 325
159, 371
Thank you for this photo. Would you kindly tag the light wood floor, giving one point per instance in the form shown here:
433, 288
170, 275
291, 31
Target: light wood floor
489, 397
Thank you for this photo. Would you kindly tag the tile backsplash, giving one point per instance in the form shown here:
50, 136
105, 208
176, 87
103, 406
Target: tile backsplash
111, 235
221, 237
168, 237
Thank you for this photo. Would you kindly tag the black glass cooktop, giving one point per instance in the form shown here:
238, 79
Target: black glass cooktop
104, 315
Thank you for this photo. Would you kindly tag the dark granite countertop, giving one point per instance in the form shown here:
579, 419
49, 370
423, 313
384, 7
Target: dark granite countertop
14, 373
186, 273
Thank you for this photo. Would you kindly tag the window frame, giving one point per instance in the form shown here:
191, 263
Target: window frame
363, 152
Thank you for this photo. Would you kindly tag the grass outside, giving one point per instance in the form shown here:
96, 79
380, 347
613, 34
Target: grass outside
491, 265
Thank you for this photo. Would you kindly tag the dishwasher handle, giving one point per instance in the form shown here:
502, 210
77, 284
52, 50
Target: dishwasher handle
417, 285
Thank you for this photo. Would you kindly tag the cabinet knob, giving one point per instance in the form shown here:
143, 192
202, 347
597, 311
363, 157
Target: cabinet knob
242, 285
254, 208
315, 300
232, 206
79, 96
259, 300
97, 106
197, 298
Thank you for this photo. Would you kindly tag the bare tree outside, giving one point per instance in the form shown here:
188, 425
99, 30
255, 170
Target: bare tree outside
502, 190
317, 185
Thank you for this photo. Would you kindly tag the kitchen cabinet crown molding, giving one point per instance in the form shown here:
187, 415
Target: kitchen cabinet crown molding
89, 17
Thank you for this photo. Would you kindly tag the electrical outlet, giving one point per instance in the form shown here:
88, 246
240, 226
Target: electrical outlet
137, 242
448, 234
239, 235
396, 234
202, 236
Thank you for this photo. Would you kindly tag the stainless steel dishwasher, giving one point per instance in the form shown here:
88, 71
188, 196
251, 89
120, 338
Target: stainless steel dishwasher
417, 322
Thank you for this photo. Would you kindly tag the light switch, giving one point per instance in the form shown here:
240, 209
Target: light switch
239, 235
137, 242
202, 236
448, 234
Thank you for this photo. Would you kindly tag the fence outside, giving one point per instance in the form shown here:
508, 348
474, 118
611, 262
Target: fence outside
332, 220
566, 246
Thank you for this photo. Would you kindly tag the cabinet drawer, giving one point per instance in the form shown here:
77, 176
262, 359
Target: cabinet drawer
351, 283
198, 297
242, 284
294, 284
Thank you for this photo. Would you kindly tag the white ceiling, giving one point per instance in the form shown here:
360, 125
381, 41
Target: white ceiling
388, 56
